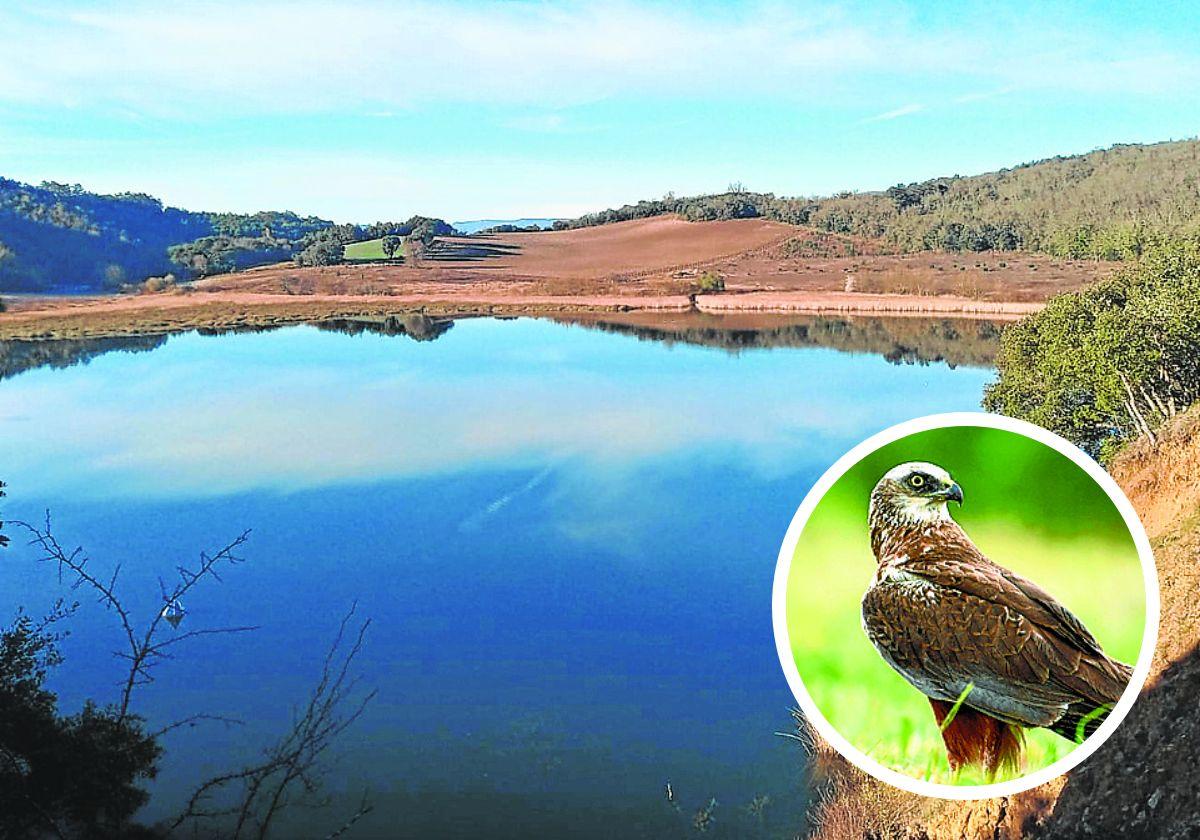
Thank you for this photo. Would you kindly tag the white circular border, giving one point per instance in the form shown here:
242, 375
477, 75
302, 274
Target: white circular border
860, 759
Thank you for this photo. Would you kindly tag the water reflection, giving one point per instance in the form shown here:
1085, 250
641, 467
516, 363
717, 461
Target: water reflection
898, 339
19, 356
565, 538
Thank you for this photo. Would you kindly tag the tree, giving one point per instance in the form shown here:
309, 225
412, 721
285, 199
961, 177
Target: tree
391, 244
426, 229
222, 253
322, 252
63, 775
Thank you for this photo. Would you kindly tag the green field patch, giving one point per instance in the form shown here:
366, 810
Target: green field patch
370, 250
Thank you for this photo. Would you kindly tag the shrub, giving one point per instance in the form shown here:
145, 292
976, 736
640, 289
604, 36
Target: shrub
710, 281
1110, 362
153, 285
85, 771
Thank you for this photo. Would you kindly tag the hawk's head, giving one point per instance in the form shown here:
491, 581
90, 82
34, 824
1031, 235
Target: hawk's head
915, 493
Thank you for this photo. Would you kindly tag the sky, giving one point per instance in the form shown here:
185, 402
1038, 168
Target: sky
468, 110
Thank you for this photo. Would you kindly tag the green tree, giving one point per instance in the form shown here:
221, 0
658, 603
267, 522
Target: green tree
391, 244
322, 252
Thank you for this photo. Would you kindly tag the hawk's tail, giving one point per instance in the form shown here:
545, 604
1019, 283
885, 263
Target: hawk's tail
1081, 721
975, 738
1100, 683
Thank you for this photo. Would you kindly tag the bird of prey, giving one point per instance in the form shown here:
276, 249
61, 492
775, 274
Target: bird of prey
993, 651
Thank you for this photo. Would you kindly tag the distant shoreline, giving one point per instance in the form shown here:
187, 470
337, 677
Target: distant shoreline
49, 318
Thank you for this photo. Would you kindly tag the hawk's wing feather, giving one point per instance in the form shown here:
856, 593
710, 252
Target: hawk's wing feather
1083, 667
943, 639
1063, 621
954, 561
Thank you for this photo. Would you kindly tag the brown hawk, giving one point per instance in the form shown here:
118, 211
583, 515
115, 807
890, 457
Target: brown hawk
959, 627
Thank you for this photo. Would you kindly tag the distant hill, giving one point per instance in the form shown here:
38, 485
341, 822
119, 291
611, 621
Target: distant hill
61, 238
477, 225
1106, 204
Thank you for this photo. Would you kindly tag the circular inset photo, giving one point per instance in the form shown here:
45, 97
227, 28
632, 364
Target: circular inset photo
965, 606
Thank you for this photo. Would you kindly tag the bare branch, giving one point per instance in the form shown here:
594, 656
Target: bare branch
364, 808
291, 772
143, 648
192, 720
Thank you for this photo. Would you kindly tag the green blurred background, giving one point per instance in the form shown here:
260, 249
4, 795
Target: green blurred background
1028, 508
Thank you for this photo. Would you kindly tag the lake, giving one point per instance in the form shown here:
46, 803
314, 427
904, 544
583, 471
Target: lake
564, 534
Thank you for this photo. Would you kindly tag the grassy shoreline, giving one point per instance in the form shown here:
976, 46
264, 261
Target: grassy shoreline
52, 318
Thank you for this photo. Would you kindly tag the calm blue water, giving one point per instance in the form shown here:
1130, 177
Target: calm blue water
564, 539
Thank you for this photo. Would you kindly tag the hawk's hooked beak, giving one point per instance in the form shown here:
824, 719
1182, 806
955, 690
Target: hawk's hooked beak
953, 493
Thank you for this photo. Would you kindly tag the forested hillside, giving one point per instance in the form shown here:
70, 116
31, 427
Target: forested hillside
60, 237
1108, 204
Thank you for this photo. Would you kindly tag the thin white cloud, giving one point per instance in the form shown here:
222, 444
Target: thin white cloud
310, 56
380, 428
896, 113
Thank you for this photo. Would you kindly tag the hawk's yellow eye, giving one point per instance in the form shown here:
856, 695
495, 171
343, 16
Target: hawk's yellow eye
917, 480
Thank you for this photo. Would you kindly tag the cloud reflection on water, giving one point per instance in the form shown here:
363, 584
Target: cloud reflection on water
301, 409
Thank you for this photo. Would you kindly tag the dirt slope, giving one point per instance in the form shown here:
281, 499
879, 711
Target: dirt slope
666, 255
1145, 780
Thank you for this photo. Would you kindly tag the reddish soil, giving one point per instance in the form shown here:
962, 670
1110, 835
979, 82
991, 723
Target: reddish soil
823, 301
641, 248
666, 255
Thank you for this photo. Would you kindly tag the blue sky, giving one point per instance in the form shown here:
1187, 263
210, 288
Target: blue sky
503, 109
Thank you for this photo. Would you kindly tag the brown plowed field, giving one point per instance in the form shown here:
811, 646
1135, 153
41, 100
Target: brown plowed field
641, 247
